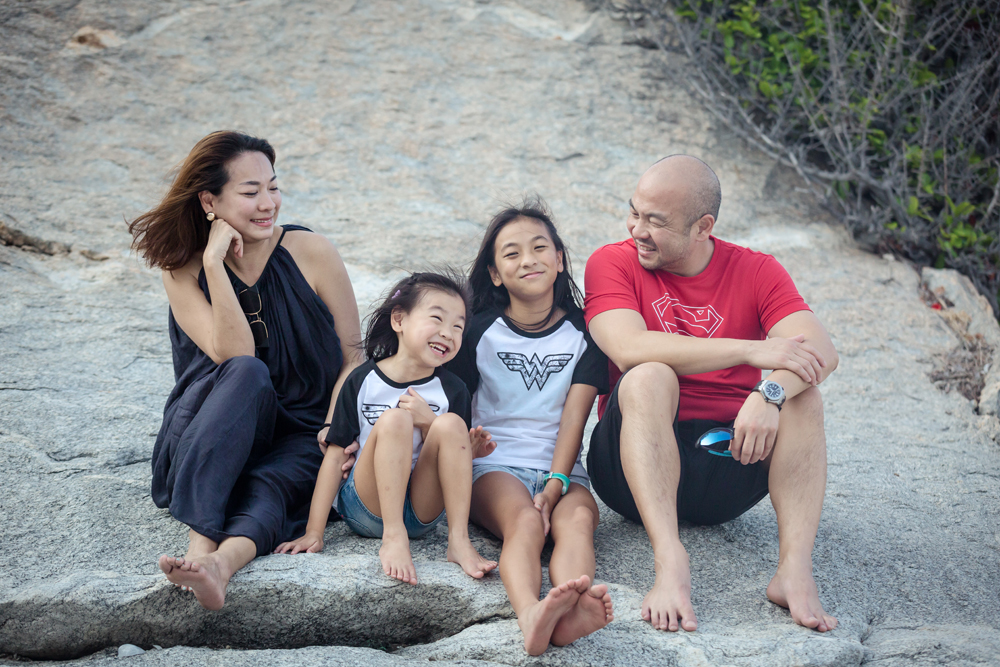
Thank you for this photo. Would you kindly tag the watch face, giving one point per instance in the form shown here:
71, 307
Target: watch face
773, 391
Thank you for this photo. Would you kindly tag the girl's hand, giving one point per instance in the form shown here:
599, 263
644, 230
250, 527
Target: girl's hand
545, 503
307, 544
482, 442
221, 239
351, 458
415, 404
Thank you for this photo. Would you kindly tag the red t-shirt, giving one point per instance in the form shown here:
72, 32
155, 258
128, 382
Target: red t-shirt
740, 294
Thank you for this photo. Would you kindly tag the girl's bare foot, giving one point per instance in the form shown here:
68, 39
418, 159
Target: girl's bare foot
667, 606
794, 588
396, 559
463, 553
203, 577
592, 611
199, 546
539, 620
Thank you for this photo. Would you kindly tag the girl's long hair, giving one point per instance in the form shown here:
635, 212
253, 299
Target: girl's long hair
381, 340
485, 294
169, 235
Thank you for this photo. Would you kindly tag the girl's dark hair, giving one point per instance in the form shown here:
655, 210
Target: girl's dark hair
485, 294
169, 235
381, 340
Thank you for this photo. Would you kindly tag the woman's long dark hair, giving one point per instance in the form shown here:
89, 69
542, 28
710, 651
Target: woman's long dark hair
169, 235
485, 294
381, 340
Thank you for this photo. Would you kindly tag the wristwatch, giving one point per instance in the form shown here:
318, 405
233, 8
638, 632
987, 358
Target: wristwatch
772, 392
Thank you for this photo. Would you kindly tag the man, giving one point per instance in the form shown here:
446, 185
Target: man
688, 322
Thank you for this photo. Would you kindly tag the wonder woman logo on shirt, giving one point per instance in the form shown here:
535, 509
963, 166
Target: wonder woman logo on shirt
695, 321
532, 370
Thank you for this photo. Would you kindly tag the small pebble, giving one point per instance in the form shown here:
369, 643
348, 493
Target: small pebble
126, 650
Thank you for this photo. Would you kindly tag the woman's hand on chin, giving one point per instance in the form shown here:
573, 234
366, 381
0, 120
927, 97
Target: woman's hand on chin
221, 238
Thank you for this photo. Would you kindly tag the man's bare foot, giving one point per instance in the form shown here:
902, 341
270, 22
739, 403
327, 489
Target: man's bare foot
667, 606
592, 611
539, 620
396, 559
794, 588
203, 577
463, 553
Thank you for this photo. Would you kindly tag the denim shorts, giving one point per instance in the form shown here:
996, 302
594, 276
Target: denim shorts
532, 479
361, 520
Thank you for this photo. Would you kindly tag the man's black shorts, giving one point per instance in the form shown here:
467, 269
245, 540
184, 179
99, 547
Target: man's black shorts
712, 490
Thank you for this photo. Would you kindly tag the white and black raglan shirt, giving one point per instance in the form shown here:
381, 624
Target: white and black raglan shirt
519, 382
368, 392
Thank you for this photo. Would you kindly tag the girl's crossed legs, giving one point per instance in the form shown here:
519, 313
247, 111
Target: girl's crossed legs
572, 609
383, 472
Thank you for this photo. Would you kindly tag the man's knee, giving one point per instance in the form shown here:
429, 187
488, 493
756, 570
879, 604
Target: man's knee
808, 404
650, 382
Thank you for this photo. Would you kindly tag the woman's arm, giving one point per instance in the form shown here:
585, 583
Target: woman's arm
579, 402
219, 328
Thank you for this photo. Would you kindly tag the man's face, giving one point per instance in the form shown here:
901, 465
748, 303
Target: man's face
660, 227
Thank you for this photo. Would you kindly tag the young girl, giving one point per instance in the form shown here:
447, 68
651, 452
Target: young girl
534, 373
410, 417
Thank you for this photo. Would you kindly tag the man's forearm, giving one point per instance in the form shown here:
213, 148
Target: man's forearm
684, 354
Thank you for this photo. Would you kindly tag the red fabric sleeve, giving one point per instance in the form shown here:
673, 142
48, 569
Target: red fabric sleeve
775, 293
609, 282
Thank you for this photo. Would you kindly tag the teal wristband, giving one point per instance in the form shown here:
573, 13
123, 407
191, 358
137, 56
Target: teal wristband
561, 477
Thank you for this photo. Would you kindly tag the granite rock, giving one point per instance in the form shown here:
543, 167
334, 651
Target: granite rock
399, 128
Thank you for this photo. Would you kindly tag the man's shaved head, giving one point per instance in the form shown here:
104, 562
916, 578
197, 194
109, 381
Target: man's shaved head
703, 194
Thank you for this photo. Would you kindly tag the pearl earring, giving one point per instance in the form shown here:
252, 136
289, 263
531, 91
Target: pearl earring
210, 216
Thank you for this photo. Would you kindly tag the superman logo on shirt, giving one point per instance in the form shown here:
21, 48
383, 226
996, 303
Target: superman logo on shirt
696, 321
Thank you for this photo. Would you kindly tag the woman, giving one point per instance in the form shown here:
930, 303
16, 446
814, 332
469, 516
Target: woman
264, 328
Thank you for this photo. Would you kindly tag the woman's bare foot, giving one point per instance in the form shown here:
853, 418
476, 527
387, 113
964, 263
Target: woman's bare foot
667, 606
396, 559
794, 588
463, 553
203, 577
592, 611
199, 546
539, 620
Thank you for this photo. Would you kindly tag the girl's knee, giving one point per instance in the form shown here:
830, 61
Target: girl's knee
448, 423
528, 525
395, 419
250, 372
578, 519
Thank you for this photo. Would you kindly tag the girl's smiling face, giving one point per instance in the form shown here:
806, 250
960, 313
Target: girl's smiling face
250, 201
525, 259
431, 332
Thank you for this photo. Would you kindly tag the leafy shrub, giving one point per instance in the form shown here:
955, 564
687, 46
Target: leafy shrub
888, 109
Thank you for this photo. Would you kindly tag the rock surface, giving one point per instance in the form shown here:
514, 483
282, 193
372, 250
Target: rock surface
399, 128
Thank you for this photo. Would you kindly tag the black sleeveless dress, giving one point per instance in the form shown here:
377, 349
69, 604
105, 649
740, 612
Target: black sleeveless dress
237, 454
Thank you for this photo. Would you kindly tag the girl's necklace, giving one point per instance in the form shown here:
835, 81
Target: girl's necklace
536, 326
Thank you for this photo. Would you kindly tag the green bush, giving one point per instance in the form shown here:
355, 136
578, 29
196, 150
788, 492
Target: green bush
889, 109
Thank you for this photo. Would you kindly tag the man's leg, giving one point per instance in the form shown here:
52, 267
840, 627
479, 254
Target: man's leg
648, 396
797, 483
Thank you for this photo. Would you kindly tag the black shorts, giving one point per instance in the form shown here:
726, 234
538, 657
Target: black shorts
712, 489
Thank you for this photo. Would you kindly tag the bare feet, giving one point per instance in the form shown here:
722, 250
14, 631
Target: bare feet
667, 606
794, 588
396, 559
463, 553
203, 577
199, 546
539, 620
592, 611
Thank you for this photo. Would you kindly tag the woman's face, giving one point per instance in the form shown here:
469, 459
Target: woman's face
250, 201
